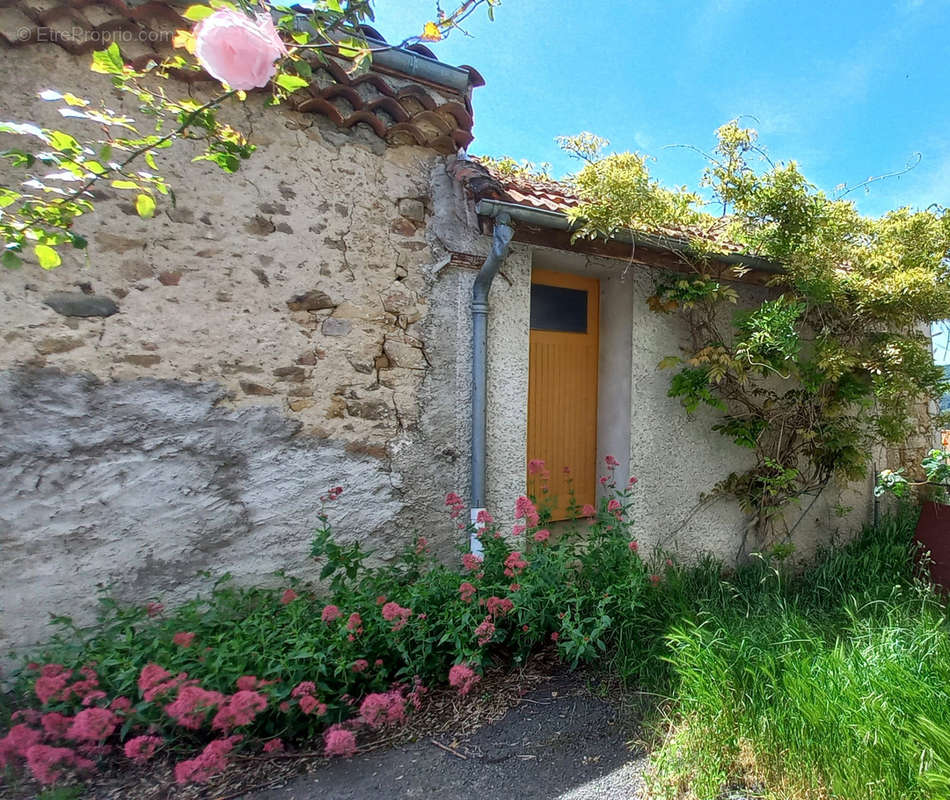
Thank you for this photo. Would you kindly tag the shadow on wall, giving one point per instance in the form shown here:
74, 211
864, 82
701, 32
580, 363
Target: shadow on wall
140, 485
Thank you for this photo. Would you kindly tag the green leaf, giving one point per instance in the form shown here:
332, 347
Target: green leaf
197, 13
105, 153
108, 61
47, 256
145, 206
290, 82
117, 184
303, 68
669, 361
8, 197
10, 260
62, 141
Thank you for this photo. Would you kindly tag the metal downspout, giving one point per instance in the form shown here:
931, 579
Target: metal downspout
501, 239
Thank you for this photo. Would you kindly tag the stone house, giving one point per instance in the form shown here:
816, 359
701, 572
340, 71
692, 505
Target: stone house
179, 398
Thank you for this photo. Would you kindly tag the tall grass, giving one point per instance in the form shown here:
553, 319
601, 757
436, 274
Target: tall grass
830, 684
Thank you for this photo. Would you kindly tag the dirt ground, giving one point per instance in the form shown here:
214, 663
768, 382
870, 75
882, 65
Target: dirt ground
561, 741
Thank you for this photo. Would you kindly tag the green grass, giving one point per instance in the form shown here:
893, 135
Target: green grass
830, 684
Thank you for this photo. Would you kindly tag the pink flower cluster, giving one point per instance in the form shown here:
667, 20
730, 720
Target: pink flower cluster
454, 502
498, 606
333, 494
191, 707
239, 709
212, 760
305, 693
330, 614
381, 709
471, 562
514, 563
154, 681
397, 615
466, 591
485, 631
463, 678
142, 748
338, 741
288, 597
526, 510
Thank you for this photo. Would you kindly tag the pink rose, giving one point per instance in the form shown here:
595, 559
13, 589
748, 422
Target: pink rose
238, 50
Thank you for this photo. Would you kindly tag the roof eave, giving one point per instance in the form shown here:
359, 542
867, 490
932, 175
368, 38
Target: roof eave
557, 220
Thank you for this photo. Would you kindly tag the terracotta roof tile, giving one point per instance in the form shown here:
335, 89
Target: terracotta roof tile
486, 182
399, 108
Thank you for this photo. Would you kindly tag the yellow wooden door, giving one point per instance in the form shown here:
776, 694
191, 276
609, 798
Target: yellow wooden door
562, 386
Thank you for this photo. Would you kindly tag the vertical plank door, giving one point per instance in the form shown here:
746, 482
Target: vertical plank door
562, 385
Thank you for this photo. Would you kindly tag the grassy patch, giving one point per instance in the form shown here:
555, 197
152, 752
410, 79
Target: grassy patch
834, 683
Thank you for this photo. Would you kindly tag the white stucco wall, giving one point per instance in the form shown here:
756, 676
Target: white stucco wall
676, 457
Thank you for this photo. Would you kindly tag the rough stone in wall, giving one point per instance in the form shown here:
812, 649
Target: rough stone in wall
179, 395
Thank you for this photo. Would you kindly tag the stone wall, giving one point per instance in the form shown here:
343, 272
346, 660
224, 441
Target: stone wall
275, 333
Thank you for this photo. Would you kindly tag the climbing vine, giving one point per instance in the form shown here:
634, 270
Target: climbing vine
833, 359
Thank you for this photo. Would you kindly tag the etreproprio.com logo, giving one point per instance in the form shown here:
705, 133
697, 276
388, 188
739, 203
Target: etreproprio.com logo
79, 34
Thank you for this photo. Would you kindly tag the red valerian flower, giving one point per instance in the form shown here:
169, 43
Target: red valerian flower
514, 563
338, 741
93, 725
212, 760
183, 638
463, 678
485, 631
142, 748
288, 596
397, 615
471, 562
498, 606
330, 614
47, 763
381, 709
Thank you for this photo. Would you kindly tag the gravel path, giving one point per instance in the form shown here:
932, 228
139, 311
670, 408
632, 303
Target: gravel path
559, 742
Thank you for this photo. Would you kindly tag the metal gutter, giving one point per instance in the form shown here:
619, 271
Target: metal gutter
557, 220
406, 62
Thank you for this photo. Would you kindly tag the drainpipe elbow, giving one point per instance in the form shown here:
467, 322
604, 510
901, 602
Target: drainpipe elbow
501, 239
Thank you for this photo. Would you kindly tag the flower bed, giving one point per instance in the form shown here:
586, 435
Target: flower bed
255, 670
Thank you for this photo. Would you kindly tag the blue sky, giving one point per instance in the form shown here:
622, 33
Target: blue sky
847, 89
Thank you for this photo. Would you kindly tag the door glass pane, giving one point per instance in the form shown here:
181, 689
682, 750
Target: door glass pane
554, 308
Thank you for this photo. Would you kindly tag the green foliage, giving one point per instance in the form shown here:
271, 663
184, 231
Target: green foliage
693, 387
831, 683
617, 192
832, 360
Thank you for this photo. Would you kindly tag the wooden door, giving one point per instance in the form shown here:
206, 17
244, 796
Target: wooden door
562, 385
